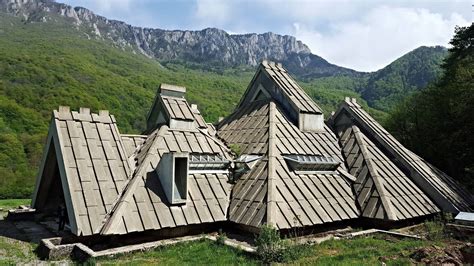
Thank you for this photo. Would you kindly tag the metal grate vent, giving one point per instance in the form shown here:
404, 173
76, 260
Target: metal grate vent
208, 162
309, 163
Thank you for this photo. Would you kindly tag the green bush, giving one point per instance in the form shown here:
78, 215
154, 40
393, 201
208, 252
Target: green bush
435, 228
235, 149
269, 244
221, 237
271, 248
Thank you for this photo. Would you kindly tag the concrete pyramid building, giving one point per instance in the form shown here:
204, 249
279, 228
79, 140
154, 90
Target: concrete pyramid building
275, 160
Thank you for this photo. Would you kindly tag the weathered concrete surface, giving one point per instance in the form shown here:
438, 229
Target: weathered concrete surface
33, 231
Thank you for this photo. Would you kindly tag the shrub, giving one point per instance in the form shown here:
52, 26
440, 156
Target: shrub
221, 237
271, 248
269, 244
435, 228
235, 148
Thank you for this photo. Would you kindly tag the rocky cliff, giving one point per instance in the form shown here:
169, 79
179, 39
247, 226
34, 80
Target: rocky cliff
211, 46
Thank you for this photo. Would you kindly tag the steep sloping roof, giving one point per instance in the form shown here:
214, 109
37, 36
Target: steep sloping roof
383, 190
247, 128
295, 175
286, 86
96, 167
441, 188
177, 108
132, 142
143, 204
313, 197
249, 196
271, 192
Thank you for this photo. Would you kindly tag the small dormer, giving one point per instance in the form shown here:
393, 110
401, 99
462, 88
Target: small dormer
173, 174
171, 108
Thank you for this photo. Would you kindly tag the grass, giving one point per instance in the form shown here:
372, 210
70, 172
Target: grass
370, 250
202, 252
13, 251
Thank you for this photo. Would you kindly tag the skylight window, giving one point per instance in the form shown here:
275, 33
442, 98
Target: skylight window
208, 162
311, 163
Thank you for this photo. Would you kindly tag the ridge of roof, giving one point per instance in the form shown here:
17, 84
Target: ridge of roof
271, 185
129, 187
407, 200
148, 158
372, 168
291, 199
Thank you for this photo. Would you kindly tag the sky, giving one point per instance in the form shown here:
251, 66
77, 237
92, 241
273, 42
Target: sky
362, 35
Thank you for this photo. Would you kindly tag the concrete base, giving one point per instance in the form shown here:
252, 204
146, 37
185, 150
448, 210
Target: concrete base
53, 249
57, 248
21, 214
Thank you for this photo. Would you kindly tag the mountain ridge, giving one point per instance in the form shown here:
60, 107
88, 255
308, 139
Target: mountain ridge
216, 50
213, 46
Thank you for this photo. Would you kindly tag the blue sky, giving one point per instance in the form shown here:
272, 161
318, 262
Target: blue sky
363, 35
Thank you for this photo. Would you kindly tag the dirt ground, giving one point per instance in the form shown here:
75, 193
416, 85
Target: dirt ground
455, 252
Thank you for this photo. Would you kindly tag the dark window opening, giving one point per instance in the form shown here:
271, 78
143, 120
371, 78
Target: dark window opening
180, 177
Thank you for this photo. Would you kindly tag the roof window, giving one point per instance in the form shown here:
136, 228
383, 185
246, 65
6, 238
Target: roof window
208, 162
311, 163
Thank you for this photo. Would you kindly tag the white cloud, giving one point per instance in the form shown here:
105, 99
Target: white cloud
380, 36
108, 5
311, 10
212, 13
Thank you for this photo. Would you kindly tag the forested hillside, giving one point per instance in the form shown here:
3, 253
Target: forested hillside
44, 65
407, 74
437, 123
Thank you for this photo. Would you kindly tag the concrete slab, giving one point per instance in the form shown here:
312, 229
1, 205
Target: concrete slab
32, 231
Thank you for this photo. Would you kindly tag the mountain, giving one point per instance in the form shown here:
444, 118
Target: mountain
212, 47
405, 75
